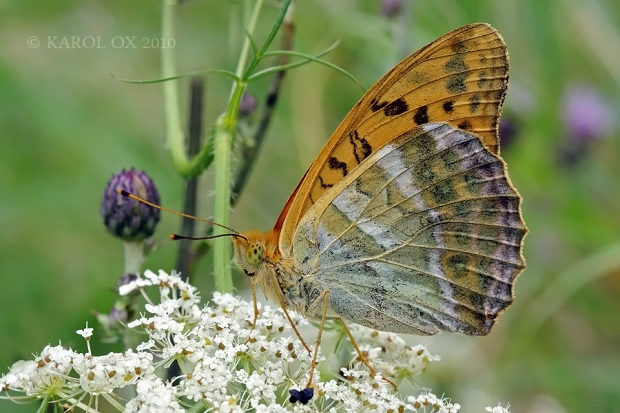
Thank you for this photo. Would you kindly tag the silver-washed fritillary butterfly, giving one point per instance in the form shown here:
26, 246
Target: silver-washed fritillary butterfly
406, 221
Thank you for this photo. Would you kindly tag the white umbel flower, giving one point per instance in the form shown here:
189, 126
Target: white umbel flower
154, 397
227, 365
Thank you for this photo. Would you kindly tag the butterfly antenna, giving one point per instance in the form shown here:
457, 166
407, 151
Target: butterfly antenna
175, 236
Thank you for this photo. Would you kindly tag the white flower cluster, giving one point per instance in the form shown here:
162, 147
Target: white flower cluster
52, 375
391, 355
227, 365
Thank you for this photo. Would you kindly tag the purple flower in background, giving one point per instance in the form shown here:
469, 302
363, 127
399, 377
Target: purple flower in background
586, 113
390, 8
588, 117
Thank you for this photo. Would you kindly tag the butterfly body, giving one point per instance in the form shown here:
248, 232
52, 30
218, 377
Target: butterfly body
279, 277
406, 221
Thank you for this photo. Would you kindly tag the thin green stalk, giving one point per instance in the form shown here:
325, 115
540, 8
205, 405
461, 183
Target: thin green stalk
175, 138
224, 133
250, 152
221, 207
174, 132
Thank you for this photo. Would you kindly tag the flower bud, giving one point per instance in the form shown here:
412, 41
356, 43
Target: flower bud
126, 218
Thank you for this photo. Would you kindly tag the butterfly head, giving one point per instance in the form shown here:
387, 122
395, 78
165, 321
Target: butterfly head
253, 251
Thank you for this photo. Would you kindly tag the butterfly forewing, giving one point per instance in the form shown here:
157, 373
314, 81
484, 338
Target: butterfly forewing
424, 236
460, 78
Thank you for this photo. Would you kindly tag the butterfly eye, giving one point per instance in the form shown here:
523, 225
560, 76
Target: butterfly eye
254, 254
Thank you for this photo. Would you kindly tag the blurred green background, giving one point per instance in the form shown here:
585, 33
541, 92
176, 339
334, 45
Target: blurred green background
67, 125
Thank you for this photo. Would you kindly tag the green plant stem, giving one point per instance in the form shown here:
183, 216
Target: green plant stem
175, 138
225, 129
221, 207
250, 153
174, 133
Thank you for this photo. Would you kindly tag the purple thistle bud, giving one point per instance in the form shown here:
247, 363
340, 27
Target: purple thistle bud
248, 105
390, 8
126, 218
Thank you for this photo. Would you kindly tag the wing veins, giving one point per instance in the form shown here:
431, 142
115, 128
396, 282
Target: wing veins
439, 181
430, 274
373, 197
356, 221
423, 189
442, 45
430, 247
409, 243
477, 237
470, 199
413, 166
365, 303
429, 310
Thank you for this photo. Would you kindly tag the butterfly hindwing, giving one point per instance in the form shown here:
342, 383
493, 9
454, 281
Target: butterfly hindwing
424, 236
460, 78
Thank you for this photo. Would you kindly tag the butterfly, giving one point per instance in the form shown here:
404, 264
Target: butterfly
407, 220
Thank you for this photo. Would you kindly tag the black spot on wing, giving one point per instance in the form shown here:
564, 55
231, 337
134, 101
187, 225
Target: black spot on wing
334, 164
361, 147
323, 184
375, 105
448, 106
465, 125
396, 108
421, 115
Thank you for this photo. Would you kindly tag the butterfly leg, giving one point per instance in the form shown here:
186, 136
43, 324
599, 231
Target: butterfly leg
360, 353
255, 301
325, 297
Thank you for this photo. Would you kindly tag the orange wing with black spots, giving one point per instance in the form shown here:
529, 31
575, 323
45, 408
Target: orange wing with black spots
460, 78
